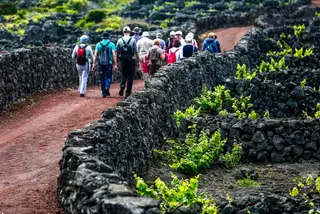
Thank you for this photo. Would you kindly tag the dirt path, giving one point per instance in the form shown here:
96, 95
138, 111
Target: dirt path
31, 142
32, 138
315, 3
228, 37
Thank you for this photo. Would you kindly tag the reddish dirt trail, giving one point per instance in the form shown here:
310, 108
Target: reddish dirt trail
315, 3
31, 142
228, 37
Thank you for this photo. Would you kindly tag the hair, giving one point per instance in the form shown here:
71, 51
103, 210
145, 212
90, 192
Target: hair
105, 35
212, 35
176, 43
156, 42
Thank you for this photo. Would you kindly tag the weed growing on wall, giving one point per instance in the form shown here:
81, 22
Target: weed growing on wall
309, 190
181, 193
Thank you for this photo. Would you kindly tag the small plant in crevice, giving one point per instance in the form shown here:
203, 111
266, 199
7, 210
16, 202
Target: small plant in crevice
181, 193
273, 65
253, 115
247, 182
266, 115
317, 113
190, 113
298, 29
309, 190
302, 53
303, 83
244, 73
317, 14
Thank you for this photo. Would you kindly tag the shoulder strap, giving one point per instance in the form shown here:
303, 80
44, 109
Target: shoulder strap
129, 41
176, 50
123, 41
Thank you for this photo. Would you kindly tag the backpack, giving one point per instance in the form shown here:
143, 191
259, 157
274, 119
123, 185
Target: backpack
126, 50
212, 47
104, 54
81, 55
153, 55
172, 56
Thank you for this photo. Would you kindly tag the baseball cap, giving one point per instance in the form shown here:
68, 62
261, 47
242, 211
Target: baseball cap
84, 39
159, 35
172, 33
126, 29
145, 34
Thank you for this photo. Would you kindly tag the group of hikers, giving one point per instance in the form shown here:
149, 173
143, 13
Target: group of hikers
134, 52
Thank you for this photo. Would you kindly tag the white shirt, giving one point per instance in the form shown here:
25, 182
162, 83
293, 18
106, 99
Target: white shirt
144, 44
89, 53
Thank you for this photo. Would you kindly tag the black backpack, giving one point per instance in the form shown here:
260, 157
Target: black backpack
104, 54
126, 50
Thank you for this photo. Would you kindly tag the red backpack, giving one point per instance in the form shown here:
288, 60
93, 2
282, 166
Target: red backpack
81, 55
172, 56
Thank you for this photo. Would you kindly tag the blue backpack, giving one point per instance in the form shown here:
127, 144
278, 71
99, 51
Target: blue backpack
212, 47
104, 54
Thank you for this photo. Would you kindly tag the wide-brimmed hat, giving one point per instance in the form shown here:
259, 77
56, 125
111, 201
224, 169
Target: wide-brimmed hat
172, 33
145, 34
188, 38
126, 29
136, 30
178, 32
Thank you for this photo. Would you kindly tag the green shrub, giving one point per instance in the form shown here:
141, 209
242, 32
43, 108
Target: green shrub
182, 193
247, 182
234, 158
8, 8
77, 4
302, 53
95, 16
317, 113
190, 113
63, 22
111, 23
190, 3
298, 29
243, 73
196, 153
165, 23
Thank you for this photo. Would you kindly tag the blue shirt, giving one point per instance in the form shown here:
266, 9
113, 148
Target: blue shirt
111, 47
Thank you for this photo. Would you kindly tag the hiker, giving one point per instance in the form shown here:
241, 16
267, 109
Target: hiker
170, 40
155, 57
174, 52
188, 49
193, 42
211, 43
106, 61
127, 53
143, 46
136, 35
179, 37
162, 42
83, 53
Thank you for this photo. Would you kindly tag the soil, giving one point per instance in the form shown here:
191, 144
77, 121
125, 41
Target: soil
32, 135
219, 181
315, 3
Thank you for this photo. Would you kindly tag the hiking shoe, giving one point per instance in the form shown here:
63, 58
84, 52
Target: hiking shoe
104, 96
81, 95
128, 94
108, 92
121, 91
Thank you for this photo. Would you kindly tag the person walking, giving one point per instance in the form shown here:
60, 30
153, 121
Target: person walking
211, 43
179, 37
170, 40
136, 35
174, 52
106, 61
188, 49
155, 57
162, 42
143, 46
193, 42
83, 54
127, 53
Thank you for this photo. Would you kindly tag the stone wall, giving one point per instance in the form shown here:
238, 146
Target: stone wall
125, 136
26, 71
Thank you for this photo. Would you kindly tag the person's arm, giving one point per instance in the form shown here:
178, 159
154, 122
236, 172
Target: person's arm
114, 56
136, 51
181, 52
74, 52
218, 46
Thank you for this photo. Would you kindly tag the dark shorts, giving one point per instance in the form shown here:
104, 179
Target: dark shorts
153, 68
